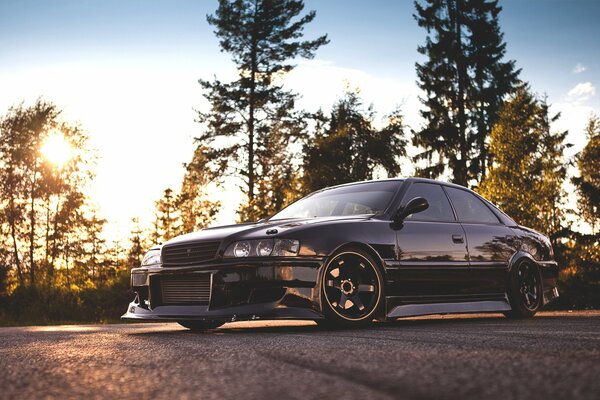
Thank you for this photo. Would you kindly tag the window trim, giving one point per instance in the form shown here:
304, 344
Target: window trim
498, 221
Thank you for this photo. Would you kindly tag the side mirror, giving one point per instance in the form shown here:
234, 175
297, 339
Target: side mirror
416, 205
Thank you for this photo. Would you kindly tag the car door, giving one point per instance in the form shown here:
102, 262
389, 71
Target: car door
432, 260
490, 243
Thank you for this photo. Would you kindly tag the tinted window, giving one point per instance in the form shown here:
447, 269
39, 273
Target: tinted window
439, 206
359, 199
469, 208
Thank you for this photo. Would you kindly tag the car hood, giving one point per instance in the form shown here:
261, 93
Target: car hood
257, 230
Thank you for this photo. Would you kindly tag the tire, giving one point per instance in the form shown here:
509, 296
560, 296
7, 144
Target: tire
525, 291
200, 326
351, 289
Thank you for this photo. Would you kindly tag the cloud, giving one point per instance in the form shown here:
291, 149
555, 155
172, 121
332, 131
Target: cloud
581, 92
579, 68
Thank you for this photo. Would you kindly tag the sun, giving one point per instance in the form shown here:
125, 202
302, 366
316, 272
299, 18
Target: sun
56, 149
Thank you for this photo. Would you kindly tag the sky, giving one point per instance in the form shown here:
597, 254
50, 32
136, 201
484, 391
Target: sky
128, 72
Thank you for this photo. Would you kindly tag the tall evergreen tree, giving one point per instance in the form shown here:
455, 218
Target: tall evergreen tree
465, 82
349, 148
168, 222
137, 245
263, 37
588, 181
196, 208
527, 175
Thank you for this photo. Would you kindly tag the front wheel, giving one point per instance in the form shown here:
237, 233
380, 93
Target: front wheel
352, 288
524, 290
200, 326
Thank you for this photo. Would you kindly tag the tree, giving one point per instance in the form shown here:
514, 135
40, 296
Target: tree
349, 148
527, 175
137, 245
44, 166
168, 221
195, 207
465, 82
588, 181
247, 115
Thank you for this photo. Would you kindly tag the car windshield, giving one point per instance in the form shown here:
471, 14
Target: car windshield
359, 199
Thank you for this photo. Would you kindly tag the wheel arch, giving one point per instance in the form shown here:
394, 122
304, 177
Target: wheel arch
517, 258
363, 246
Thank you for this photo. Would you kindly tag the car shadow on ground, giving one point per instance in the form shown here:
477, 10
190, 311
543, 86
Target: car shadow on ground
302, 327
439, 321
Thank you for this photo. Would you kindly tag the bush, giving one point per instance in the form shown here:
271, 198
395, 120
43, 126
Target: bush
104, 303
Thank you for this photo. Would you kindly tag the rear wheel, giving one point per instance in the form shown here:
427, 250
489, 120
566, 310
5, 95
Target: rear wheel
524, 290
352, 289
199, 326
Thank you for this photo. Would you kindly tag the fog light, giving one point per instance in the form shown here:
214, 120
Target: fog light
139, 279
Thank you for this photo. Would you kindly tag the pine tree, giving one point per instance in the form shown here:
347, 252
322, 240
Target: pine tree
588, 181
249, 114
465, 82
196, 208
349, 148
527, 175
168, 222
137, 245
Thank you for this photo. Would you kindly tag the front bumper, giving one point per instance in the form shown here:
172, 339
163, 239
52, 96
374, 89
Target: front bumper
239, 290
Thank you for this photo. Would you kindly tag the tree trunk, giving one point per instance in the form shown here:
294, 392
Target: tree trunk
13, 234
252, 107
32, 232
460, 175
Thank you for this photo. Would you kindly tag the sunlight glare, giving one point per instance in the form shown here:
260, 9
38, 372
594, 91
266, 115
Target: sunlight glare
56, 149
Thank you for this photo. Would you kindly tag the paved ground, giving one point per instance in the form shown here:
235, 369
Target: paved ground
553, 356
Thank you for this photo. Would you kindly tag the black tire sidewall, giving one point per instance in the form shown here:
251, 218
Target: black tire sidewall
199, 325
519, 310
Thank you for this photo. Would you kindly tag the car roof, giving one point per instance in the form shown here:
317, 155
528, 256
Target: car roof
409, 178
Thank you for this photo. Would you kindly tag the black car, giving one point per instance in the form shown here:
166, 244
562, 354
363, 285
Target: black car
350, 254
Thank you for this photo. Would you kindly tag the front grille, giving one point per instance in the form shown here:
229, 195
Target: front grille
185, 289
188, 253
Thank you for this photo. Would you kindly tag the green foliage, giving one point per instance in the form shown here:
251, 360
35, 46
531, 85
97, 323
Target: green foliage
527, 176
465, 81
579, 256
588, 181
253, 116
347, 147
58, 304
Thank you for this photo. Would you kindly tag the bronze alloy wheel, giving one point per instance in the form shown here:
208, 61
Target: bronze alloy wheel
352, 288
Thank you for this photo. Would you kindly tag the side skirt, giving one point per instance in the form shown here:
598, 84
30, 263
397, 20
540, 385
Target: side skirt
412, 310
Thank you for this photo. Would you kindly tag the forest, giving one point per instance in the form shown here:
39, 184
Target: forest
483, 127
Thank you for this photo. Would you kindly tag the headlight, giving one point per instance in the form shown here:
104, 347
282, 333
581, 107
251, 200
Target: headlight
151, 258
263, 248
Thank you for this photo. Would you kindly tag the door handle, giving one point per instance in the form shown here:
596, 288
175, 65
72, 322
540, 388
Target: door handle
458, 239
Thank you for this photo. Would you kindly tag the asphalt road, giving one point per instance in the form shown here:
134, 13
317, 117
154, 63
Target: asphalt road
553, 356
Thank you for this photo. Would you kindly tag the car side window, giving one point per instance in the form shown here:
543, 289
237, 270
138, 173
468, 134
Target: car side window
469, 208
439, 207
